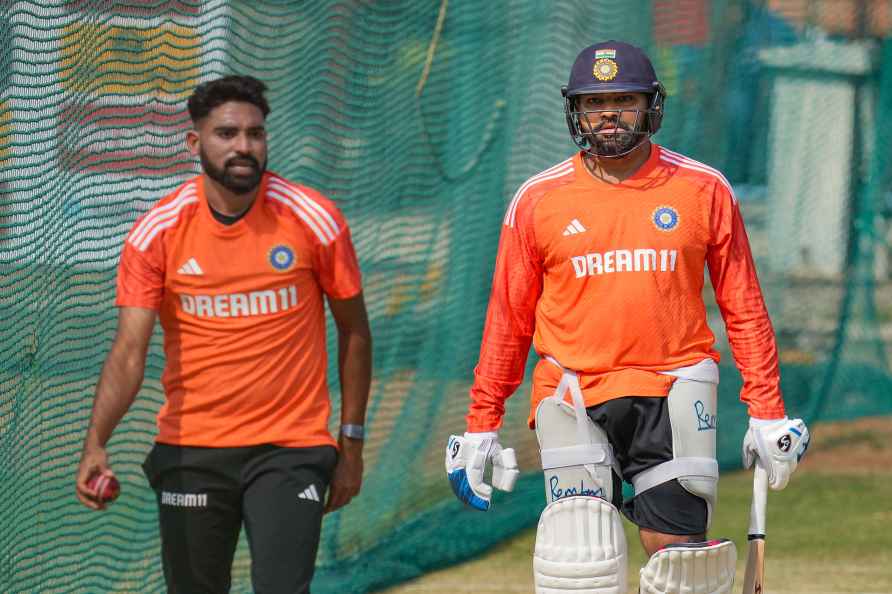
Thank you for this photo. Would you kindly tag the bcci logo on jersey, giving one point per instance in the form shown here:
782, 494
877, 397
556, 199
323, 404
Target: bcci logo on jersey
281, 257
665, 218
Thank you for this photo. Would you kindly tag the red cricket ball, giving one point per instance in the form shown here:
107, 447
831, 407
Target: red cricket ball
106, 488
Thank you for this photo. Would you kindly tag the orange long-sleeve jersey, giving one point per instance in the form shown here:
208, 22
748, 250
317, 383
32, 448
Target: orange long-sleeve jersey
607, 279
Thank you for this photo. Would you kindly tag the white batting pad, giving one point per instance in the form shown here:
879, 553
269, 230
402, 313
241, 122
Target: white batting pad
580, 548
695, 568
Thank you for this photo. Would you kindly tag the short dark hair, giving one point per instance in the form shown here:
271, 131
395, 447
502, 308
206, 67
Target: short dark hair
215, 93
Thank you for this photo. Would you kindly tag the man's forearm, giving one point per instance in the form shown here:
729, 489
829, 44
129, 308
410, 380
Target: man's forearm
121, 378
355, 367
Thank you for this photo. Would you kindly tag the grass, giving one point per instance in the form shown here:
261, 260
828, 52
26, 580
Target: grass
828, 532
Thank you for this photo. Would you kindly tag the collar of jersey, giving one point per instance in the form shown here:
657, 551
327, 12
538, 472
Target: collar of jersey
237, 227
637, 180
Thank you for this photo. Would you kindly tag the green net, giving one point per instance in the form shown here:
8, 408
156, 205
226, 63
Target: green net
420, 119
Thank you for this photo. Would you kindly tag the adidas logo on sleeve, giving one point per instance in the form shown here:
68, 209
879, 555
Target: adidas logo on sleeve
310, 493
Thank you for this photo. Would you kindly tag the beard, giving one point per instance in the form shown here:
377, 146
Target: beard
621, 140
237, 184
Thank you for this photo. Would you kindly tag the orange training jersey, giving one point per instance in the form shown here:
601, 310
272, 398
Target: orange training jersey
607, 279
242, 312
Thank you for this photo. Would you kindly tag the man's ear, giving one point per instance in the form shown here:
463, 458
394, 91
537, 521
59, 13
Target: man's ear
193, 142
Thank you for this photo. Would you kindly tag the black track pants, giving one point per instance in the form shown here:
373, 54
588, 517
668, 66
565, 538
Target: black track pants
204, 495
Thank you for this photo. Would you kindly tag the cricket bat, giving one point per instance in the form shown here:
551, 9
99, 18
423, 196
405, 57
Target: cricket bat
753, 578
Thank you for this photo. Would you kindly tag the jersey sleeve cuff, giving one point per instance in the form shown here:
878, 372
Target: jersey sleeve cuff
769, 414
483, 425
347, 294
137, 303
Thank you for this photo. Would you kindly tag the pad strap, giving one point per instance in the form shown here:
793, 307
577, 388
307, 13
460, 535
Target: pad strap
570, 382
586, 454
577, 455
702, 468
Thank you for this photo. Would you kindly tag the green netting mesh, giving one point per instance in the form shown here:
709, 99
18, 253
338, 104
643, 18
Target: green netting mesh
420, 119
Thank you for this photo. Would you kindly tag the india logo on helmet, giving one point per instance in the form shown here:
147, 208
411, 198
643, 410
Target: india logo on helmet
606, 69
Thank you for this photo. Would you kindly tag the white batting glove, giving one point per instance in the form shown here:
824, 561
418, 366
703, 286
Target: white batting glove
466, 458
779, 444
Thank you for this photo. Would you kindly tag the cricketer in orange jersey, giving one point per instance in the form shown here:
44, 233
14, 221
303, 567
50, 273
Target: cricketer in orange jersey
600, 267
236, 264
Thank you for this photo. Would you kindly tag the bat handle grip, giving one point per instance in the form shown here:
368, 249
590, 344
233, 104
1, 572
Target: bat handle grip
760, 495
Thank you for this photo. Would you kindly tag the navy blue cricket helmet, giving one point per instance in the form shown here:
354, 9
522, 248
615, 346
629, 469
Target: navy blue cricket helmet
613, 67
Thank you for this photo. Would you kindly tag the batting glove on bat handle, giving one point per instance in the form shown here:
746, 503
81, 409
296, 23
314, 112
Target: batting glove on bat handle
466, 458
779, 444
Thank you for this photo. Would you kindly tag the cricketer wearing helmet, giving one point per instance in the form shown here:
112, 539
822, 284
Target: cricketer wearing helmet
600, 268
